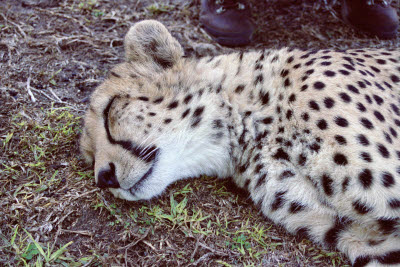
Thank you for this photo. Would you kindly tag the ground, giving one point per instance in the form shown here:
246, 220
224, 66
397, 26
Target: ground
53, 53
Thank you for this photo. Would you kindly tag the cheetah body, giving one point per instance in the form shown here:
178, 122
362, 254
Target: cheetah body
314, 136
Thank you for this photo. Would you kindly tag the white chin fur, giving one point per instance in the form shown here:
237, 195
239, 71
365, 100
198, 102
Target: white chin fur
123, 194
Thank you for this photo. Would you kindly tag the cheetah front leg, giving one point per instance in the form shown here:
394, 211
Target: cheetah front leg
292, 200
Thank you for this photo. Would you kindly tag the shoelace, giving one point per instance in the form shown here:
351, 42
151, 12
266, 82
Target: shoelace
228, 4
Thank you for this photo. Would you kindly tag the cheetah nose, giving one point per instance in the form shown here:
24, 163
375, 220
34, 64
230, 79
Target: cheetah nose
106, 178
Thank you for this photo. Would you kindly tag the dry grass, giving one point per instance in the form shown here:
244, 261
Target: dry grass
51, 58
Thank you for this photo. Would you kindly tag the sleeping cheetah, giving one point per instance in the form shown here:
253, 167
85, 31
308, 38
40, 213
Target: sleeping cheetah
314, 136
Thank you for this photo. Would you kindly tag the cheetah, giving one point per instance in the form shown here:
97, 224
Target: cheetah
313, 136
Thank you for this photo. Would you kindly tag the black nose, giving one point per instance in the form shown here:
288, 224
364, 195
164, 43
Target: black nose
106, 178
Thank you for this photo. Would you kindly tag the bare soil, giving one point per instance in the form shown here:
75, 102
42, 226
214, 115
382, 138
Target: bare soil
53, 53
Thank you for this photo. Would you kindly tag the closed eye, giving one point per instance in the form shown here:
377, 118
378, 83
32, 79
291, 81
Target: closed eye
146, 154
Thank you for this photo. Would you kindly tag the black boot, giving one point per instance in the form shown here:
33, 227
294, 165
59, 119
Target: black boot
227, 21
376, 17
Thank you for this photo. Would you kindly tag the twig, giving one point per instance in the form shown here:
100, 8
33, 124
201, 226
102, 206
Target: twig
14, 24
137, 241
55, 100
202, 258
28, 88
150, 245
64, 16
86, 193
80, 232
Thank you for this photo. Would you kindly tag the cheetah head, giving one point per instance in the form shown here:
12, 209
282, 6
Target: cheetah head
134, 131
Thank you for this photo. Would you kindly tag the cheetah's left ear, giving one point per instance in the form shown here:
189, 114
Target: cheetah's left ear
149, 43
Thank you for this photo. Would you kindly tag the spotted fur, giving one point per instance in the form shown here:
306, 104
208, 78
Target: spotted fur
314, 136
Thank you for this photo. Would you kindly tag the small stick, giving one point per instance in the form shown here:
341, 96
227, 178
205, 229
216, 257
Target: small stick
28, 88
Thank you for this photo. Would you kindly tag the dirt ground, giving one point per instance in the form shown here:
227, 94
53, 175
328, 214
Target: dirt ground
53, 53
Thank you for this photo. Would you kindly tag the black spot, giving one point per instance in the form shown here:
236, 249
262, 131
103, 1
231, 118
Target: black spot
369, 100
302, 159
296, 207
198, 111
261, 180
365, 177
286, 174
327, 184
361, 84
290, 59
292, 98
379, 116
322, 124
258, 168
395, 109
378, 99
305, 116
303, 233
381, 61
329, 73
313, 105
361, 207
383, 151
239, 89
395, 78
361, 107
281, 154
289, 114
393, 132
319, 85
329, 102
332, 235
366, 123
267, 120
345, 184
390, 258
187, 99
375, 69
185, 113
345, 97
217, 124
143, 98
303, 87
352, 89
388, 138
287, 82
166, 121
158, 100
387, 179
315, 147
342, 122
344, 72
195, 122
115, 74
340, 139
349, 67
284, 73
366, 156
387, 226
279, 200
152, 114
173, 104
297, 66
394, 203
340, 159
363, 140
264, 98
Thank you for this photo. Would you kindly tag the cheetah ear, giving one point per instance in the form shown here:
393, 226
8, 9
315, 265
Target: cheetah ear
149, 43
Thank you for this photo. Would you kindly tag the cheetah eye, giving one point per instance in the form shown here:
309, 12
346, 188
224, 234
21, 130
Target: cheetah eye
149, 154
